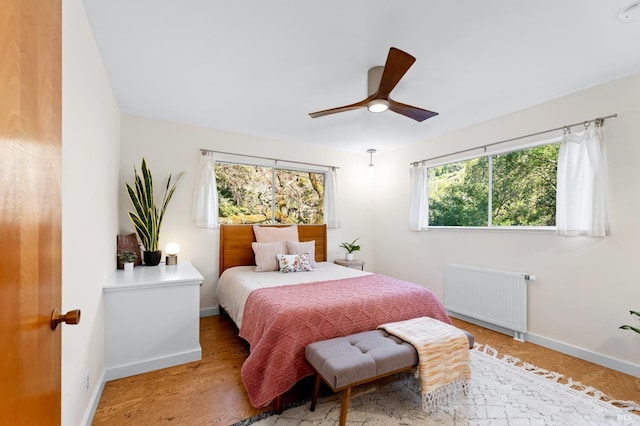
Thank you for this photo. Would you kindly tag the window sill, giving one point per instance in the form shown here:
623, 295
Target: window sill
515, 229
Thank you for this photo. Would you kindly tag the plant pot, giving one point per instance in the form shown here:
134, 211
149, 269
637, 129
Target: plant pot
152, 258
348, 256
128, 266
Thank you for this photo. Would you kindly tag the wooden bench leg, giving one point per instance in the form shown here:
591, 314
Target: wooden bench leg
346, 395
344, 407
316, 391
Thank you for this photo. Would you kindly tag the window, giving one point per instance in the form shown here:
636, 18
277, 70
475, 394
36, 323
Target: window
512, 189
264, 194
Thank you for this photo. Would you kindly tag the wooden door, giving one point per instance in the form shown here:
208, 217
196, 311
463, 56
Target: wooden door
30, 173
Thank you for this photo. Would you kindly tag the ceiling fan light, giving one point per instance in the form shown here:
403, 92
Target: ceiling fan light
378, 105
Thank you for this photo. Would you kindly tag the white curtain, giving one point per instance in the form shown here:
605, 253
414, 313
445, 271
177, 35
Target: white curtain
581, 199
332, 213
419, 199
205, 197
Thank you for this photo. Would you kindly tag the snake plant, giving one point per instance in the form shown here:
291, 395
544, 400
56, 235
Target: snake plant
147, 217
628, 327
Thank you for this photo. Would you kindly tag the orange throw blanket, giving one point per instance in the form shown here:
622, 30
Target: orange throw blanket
443, 358
279, 322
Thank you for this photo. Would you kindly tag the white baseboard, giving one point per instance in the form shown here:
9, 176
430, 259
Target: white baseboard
144, 366
132, 369
612, 363
209, 312
87, 419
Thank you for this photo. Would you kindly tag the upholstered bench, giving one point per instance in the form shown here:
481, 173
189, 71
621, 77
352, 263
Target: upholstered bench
344, 362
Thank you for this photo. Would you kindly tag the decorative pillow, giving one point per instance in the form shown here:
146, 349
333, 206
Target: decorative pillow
305, 262
301, 248
266, 255
273, 234
294, 262
288, 262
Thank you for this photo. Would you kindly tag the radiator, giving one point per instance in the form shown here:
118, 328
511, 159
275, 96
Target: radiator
489, 295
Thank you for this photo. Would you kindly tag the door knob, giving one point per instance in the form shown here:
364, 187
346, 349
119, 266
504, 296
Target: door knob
71, 317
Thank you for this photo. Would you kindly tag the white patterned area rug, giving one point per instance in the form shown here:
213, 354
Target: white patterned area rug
502, 392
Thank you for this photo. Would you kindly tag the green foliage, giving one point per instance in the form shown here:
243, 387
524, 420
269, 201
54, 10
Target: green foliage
458, 193
127, 256
146, 217
628, 327
351, 247
255, 194
523, 190
524, 187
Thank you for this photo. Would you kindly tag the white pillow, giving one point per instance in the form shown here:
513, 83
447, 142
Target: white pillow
309, 247
294, 263
266, 255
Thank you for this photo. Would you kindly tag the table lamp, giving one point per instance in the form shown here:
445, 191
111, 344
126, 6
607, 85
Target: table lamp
172, 249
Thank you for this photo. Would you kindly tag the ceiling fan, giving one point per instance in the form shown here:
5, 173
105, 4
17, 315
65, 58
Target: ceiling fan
381, 81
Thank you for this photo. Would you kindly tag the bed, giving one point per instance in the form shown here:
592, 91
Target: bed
280, 314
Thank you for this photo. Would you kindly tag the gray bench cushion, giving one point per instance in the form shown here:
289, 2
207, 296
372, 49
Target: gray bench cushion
347, 360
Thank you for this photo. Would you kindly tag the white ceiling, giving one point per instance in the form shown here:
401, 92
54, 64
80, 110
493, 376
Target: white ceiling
259, 67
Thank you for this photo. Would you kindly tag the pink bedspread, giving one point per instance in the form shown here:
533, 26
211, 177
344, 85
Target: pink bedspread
279, 322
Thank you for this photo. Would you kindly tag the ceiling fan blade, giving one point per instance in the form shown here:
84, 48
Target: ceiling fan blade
363, 103
415, 113
398, 63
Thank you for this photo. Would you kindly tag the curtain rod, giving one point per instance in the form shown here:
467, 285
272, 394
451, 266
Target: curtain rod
599, 122
206, 151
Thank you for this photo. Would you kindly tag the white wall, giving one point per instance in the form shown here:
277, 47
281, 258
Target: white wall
171, 148
585, 286
90, 152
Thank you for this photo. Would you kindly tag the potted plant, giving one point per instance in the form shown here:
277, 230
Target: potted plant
127, 258
628, 327
350, 248
147, 216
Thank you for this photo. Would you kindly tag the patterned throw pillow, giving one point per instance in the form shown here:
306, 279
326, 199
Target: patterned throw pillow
294, 263
308, 247
305, 262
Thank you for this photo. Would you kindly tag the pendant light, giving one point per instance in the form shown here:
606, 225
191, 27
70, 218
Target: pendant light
371, 171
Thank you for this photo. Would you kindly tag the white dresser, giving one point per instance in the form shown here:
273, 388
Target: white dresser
151, 319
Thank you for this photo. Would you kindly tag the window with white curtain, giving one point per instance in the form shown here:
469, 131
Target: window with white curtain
560, 184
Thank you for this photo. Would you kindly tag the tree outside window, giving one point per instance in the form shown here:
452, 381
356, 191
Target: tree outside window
262, 194
518, 188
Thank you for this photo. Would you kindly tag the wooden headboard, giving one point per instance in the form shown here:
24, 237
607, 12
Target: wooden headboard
235, 243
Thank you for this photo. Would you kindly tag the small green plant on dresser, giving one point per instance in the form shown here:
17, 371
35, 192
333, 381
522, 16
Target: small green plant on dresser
127, 256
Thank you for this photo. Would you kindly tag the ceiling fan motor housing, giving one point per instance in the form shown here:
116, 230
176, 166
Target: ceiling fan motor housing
373, 82
379, 86
373, 79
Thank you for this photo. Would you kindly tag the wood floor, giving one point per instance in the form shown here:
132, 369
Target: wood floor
210, 391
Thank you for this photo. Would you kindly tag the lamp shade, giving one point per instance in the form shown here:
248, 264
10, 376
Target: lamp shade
172, 249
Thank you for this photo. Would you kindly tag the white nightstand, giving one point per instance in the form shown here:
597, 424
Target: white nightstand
151, 319
355, 263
